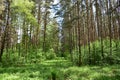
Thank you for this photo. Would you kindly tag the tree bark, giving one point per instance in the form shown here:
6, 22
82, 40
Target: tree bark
6, 29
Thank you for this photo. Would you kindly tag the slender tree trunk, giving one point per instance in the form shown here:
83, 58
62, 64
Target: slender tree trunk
70, 43
110, 31
101, 33
6, 28
88, 33
79, 37
44, 33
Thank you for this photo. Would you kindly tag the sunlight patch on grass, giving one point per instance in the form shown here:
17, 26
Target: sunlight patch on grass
7, 76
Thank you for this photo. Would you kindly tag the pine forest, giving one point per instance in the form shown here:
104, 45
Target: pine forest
59, 39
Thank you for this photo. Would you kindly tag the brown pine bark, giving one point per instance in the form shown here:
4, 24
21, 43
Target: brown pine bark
6, 29
79, 33
44, 33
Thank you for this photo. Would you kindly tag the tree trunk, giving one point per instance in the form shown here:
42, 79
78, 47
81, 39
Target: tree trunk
44, 33
6, 29
79, 37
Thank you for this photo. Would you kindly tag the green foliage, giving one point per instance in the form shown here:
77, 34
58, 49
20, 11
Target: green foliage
32, 56
95, 56
50, 54
59, 69
23, 9
1, 6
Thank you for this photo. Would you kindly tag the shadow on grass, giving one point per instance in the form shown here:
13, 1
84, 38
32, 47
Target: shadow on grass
114, 77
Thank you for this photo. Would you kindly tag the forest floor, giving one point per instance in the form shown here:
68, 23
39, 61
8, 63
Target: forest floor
59, 70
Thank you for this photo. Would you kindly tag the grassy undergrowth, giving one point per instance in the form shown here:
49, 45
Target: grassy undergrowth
59, 70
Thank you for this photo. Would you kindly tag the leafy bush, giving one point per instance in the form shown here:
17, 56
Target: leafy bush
50, 54
95, 56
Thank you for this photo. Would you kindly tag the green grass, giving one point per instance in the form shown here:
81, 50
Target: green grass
60, 69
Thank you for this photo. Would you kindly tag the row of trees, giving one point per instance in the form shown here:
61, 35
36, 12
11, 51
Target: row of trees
26, 27
87, 22
86, 31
